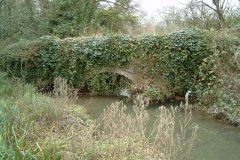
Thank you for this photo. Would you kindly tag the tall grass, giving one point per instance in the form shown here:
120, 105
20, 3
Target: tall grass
34, 126
126, 136
30, 123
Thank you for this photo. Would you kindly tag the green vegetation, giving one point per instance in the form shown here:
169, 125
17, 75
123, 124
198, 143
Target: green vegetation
31, 19
219, 84
175, 57
185, 60
54, 44
28, 123
33, 126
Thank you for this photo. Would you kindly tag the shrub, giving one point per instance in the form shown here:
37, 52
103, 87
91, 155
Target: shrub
218, 84
176, 57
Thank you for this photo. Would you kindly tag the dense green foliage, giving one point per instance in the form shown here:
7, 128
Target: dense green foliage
29, 19
73, 59
73, 17
33, 126
176, 57
219, 84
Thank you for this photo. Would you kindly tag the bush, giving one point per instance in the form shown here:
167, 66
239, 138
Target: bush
176, 57
218, 85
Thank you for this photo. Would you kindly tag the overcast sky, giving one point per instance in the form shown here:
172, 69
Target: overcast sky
151, 6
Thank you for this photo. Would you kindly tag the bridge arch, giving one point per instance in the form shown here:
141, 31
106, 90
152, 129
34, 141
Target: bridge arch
127, 73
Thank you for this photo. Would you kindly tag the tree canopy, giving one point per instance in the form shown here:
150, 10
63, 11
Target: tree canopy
29, 19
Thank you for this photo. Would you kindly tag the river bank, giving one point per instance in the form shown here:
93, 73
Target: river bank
35, 126
41, 126
216, 140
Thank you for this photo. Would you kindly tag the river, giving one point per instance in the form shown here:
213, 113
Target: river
215, 141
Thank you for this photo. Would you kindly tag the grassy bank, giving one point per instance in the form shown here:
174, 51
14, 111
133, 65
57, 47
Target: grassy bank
33, 126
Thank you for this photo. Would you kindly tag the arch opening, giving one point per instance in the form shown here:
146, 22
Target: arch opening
108, 83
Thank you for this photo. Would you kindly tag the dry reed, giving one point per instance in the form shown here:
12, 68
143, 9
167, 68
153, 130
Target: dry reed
125, 136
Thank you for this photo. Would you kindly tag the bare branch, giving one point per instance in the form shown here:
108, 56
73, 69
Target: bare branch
223, 4
109, 2
207, 5
126, 7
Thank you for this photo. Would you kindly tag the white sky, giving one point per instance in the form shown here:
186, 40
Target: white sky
151, 6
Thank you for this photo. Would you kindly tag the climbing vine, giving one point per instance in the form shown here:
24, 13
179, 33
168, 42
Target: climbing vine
176, 57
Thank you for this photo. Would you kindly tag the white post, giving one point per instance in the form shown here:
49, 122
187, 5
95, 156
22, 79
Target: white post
186, 97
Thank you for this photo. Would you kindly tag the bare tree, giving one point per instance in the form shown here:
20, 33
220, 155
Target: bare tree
198, 15
220, 7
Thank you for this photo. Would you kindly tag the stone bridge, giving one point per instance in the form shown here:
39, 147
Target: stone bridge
127, 73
